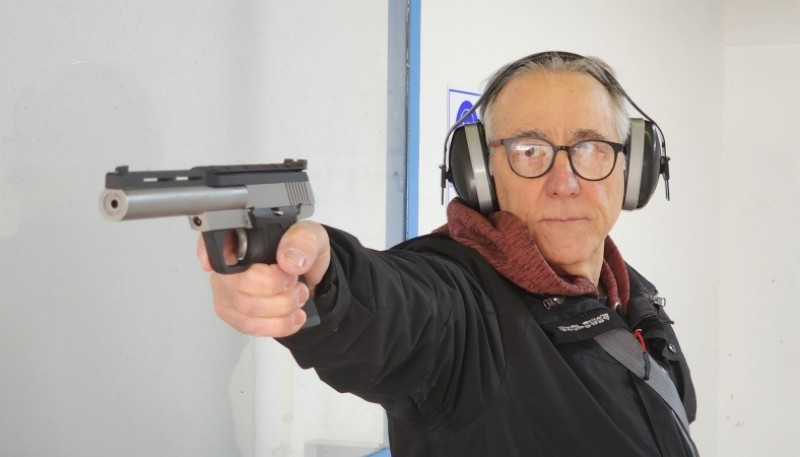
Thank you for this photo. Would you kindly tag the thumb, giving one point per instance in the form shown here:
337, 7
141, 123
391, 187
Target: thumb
305, 250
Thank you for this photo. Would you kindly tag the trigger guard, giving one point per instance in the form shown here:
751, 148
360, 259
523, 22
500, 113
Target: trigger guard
215, 242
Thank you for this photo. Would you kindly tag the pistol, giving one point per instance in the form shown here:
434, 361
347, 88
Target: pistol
253, 204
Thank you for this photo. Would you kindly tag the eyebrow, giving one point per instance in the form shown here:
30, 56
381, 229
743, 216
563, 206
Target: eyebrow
587, 134
579, 134
529, 132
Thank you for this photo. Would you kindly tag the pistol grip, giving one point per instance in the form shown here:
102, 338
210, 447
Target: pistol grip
262, 244
312, 315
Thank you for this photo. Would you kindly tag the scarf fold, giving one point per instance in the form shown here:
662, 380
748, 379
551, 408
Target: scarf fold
504, 242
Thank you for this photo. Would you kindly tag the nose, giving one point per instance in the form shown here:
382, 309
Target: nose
561, 179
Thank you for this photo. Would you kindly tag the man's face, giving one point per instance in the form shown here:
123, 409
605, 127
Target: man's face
568, 217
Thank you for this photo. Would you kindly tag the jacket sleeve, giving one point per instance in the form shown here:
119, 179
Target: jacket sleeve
410, 330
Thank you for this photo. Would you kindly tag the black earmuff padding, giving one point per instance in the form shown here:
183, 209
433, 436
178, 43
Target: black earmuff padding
469, 168
460, 166
651, 168
643, 154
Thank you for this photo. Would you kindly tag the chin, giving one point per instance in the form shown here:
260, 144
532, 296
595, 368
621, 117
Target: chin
562, 261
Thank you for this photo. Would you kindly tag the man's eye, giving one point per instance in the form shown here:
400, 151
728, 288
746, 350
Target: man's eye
533, 151
584, 147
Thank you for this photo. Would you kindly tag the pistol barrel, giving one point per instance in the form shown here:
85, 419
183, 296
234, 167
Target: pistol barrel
120, 204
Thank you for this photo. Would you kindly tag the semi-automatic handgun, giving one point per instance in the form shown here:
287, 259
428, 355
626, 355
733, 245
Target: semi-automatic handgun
253, 204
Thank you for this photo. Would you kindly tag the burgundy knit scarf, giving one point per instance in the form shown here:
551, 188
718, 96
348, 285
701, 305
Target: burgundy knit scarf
504, 242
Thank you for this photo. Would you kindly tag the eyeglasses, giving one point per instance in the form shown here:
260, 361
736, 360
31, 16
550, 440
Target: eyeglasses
531, 157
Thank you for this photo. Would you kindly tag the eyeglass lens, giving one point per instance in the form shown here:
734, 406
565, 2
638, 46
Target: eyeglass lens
532, 157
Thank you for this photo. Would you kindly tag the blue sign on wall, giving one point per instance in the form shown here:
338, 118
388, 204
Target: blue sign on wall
459, 103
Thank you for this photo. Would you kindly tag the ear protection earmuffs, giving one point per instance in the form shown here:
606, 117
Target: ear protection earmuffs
467, 164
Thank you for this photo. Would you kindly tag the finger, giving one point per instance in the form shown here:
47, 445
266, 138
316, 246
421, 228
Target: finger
259, 304
276, 320
273, 327
229, 248
305, 249
259, 279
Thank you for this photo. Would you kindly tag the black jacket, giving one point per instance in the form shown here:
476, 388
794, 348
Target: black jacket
468, 364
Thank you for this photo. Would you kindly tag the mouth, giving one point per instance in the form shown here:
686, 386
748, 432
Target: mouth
563, 220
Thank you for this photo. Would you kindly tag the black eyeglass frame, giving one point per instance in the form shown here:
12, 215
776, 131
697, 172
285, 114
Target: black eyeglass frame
616, 147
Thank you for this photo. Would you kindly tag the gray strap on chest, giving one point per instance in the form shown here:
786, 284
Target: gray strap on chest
626, 350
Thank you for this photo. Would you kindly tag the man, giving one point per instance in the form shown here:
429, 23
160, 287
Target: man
480, 340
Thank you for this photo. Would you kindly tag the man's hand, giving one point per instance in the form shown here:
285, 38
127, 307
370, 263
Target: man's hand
267, 300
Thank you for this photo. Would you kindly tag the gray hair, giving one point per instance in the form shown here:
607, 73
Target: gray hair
558, 62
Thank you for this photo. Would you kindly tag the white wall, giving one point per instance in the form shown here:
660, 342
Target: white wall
669, 58
108, 342
325, 87
759, 263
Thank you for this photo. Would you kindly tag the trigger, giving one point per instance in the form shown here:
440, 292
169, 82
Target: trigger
241, 243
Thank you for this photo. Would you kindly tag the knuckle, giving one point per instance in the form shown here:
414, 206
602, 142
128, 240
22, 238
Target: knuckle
259, 279
251, 327
246, 305
280, 305
274, 327
270, 311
